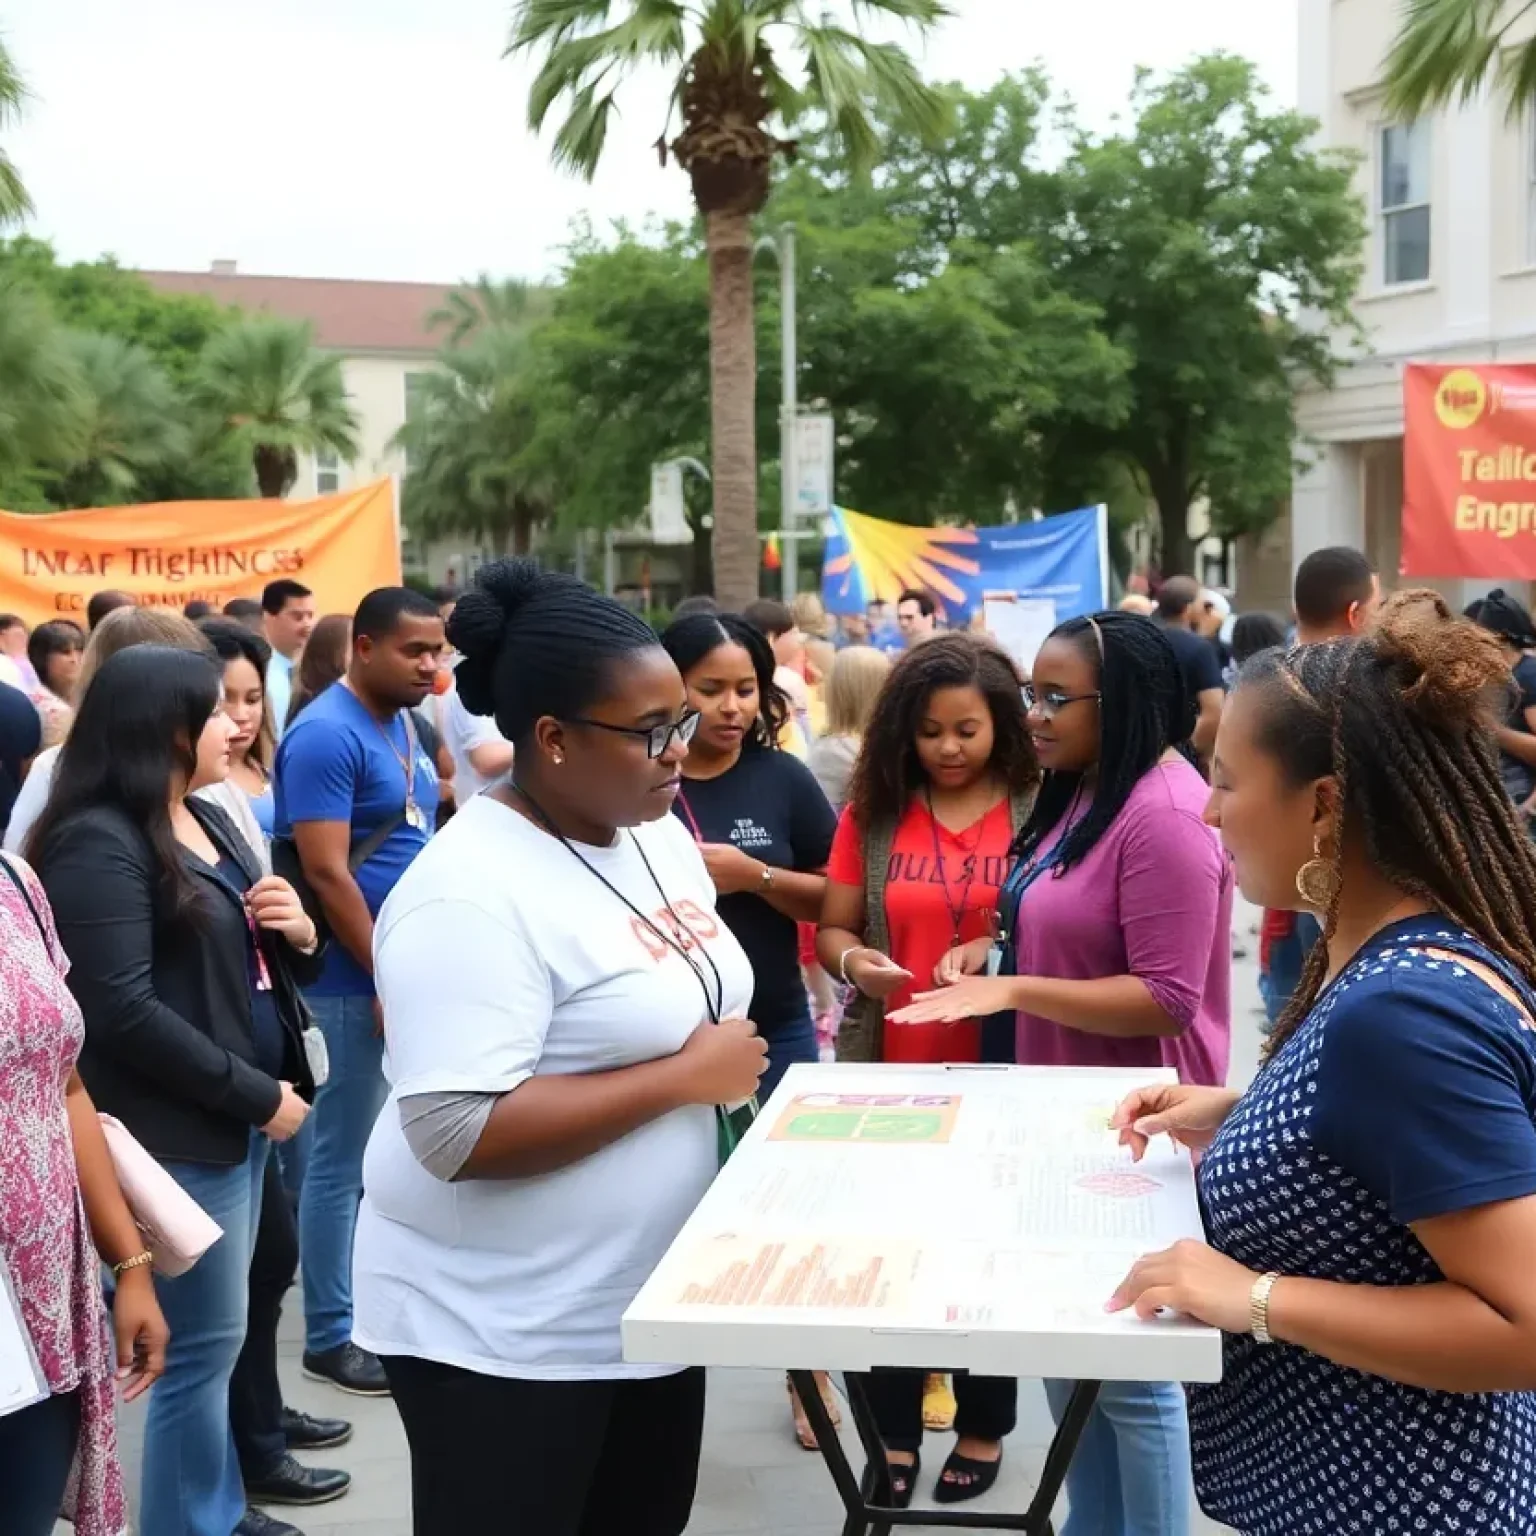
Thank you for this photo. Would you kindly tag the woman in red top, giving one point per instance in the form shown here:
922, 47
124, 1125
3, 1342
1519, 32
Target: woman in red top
945, 775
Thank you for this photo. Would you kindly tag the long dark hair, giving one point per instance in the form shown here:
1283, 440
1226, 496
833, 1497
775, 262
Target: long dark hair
888, 771
324, 662
1402, 719
135, 734
688, 641
1144, 709
232, 641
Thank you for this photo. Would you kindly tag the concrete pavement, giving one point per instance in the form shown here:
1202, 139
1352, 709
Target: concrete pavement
754, 1478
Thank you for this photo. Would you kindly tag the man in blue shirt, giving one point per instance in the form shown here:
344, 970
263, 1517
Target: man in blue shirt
352, 778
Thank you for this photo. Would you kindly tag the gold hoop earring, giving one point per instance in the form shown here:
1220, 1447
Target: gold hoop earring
1317, 881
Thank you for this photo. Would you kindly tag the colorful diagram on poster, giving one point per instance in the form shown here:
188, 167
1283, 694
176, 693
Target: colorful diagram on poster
1118, 1185
891, 1119
734, 1271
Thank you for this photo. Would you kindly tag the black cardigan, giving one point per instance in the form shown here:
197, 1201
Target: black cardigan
169, 1044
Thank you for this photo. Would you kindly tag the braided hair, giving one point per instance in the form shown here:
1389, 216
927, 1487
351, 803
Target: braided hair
1401, 719
1144, 709
534, 643
1502, 615
888, 772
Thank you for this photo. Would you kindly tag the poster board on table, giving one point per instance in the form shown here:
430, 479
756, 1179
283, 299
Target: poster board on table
1063, 558
940, 1217
1469, 471
166, 554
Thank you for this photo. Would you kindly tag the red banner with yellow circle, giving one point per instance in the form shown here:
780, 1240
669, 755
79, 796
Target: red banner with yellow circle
1469, 470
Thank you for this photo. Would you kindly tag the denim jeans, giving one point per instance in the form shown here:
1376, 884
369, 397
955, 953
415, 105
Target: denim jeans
788, 1042
1131, 1474
340, 1124
37, 1448
1287, 957
192, 1483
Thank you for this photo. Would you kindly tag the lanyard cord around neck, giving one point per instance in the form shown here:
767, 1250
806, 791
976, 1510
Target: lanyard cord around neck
714, 1004
956, 909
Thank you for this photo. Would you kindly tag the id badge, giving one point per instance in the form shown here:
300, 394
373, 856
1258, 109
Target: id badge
317, 1055
415, 817
995, 960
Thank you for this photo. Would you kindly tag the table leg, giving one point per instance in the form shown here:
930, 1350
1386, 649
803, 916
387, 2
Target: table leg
867, 1503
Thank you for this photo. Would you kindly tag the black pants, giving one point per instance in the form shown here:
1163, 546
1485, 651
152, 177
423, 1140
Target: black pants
255, 1396
548, 1458
37, 1449
988, 1406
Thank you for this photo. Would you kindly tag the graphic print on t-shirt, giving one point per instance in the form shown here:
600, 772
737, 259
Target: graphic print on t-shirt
923, 868
686, 921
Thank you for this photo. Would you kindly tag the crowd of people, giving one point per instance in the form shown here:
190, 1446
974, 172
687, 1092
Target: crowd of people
435, 950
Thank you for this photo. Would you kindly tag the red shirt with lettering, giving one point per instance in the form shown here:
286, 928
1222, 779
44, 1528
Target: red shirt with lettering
934, 877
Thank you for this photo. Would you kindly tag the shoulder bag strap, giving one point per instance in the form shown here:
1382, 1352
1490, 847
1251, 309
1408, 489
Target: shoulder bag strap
26, 896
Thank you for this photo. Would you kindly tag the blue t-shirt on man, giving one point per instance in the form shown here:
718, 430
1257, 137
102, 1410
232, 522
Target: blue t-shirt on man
338, 763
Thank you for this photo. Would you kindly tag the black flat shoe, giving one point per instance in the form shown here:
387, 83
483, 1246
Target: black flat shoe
306, 1432
255, 1523
291, 1482
352, 1369
965, 1478
903, 1483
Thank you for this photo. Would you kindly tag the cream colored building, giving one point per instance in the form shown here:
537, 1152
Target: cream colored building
1450, 271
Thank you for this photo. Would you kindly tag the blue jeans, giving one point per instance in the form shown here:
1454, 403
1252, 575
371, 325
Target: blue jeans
788, 1042
37, 1449
1131, 1474
1287, 957
339, 1127
192, 1483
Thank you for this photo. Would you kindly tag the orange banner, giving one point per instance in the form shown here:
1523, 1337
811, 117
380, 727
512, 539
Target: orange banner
168, 554
1469, 471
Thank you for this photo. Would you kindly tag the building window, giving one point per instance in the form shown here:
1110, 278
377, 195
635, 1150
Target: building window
327, 472
1404, 153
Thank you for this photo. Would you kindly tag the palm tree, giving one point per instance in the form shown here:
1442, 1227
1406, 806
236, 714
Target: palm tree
509, 304
262, 380
1446, 50
729, 59
14, 202
473, 444
129, 422
41, 391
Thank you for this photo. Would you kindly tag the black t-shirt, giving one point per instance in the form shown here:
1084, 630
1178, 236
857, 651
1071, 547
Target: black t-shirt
1197, 660
770, 807
1520, 778
21, 734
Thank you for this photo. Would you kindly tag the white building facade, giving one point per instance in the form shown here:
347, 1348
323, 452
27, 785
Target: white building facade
1450, 272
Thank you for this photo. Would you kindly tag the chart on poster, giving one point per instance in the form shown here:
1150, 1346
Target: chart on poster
951, 1218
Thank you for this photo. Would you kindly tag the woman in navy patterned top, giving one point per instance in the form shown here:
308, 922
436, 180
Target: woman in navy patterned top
1371, 1200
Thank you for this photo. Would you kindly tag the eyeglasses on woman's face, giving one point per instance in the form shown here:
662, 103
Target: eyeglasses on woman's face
1050, 703
657, 738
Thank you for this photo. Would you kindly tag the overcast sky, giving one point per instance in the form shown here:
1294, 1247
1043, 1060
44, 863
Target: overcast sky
386, 138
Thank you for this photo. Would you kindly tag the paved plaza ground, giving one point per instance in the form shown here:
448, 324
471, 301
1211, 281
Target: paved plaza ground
754, 1478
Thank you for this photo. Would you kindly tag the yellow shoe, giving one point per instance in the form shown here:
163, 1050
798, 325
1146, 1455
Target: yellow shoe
939, 1406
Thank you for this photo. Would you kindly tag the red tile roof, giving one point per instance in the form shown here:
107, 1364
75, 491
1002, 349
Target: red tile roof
347, 315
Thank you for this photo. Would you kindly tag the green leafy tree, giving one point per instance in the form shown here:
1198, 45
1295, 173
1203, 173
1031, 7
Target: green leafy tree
470, 444
1209, 236
263, 383
42, 397
14, 202
128, 423
507, 303
732, 93
1447, 50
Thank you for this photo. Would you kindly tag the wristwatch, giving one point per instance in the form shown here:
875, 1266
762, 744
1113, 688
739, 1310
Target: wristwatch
767, 883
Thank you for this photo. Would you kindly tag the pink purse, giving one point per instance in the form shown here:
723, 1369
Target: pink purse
177, 1230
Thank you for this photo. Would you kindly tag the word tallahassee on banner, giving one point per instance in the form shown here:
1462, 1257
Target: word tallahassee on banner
167, 554
1469, 470
1064, 558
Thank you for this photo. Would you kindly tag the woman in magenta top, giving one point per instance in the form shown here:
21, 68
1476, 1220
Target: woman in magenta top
1117, 922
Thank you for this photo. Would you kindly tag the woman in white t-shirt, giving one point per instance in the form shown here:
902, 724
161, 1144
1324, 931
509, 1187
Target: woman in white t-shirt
563, 1010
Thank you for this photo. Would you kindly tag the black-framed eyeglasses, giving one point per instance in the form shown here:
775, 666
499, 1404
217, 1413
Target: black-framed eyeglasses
657, 737
1050, 703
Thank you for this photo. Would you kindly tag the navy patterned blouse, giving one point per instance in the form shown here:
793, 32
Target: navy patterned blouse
1408, 1092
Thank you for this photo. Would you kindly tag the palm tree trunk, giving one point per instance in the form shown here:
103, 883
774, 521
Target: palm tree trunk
274, 472
733, 406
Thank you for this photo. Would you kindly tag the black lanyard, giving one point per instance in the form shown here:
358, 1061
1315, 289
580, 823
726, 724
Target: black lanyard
956, 909
715, 1004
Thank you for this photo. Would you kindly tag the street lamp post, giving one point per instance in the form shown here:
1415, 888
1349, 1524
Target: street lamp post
783, 246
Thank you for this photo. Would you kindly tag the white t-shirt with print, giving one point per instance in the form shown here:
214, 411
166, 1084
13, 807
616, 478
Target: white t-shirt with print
499, 957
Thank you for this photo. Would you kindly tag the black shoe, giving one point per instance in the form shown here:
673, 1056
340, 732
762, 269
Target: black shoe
256, 1523
352, 1369
291, 1482
305, 1432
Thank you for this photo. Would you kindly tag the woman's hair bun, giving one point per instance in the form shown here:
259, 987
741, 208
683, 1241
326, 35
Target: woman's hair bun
481, 618
1449, 672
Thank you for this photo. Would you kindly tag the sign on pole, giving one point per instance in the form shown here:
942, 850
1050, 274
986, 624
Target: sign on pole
813, 465
669, 520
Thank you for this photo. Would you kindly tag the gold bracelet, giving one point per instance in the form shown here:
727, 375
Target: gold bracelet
1258, 1307
138, 1261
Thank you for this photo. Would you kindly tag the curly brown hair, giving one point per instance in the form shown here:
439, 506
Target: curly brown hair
888, 773
1402, 719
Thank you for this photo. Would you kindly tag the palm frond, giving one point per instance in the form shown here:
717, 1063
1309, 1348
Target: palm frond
923, 13
537, 21
580, 138
1446, 50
